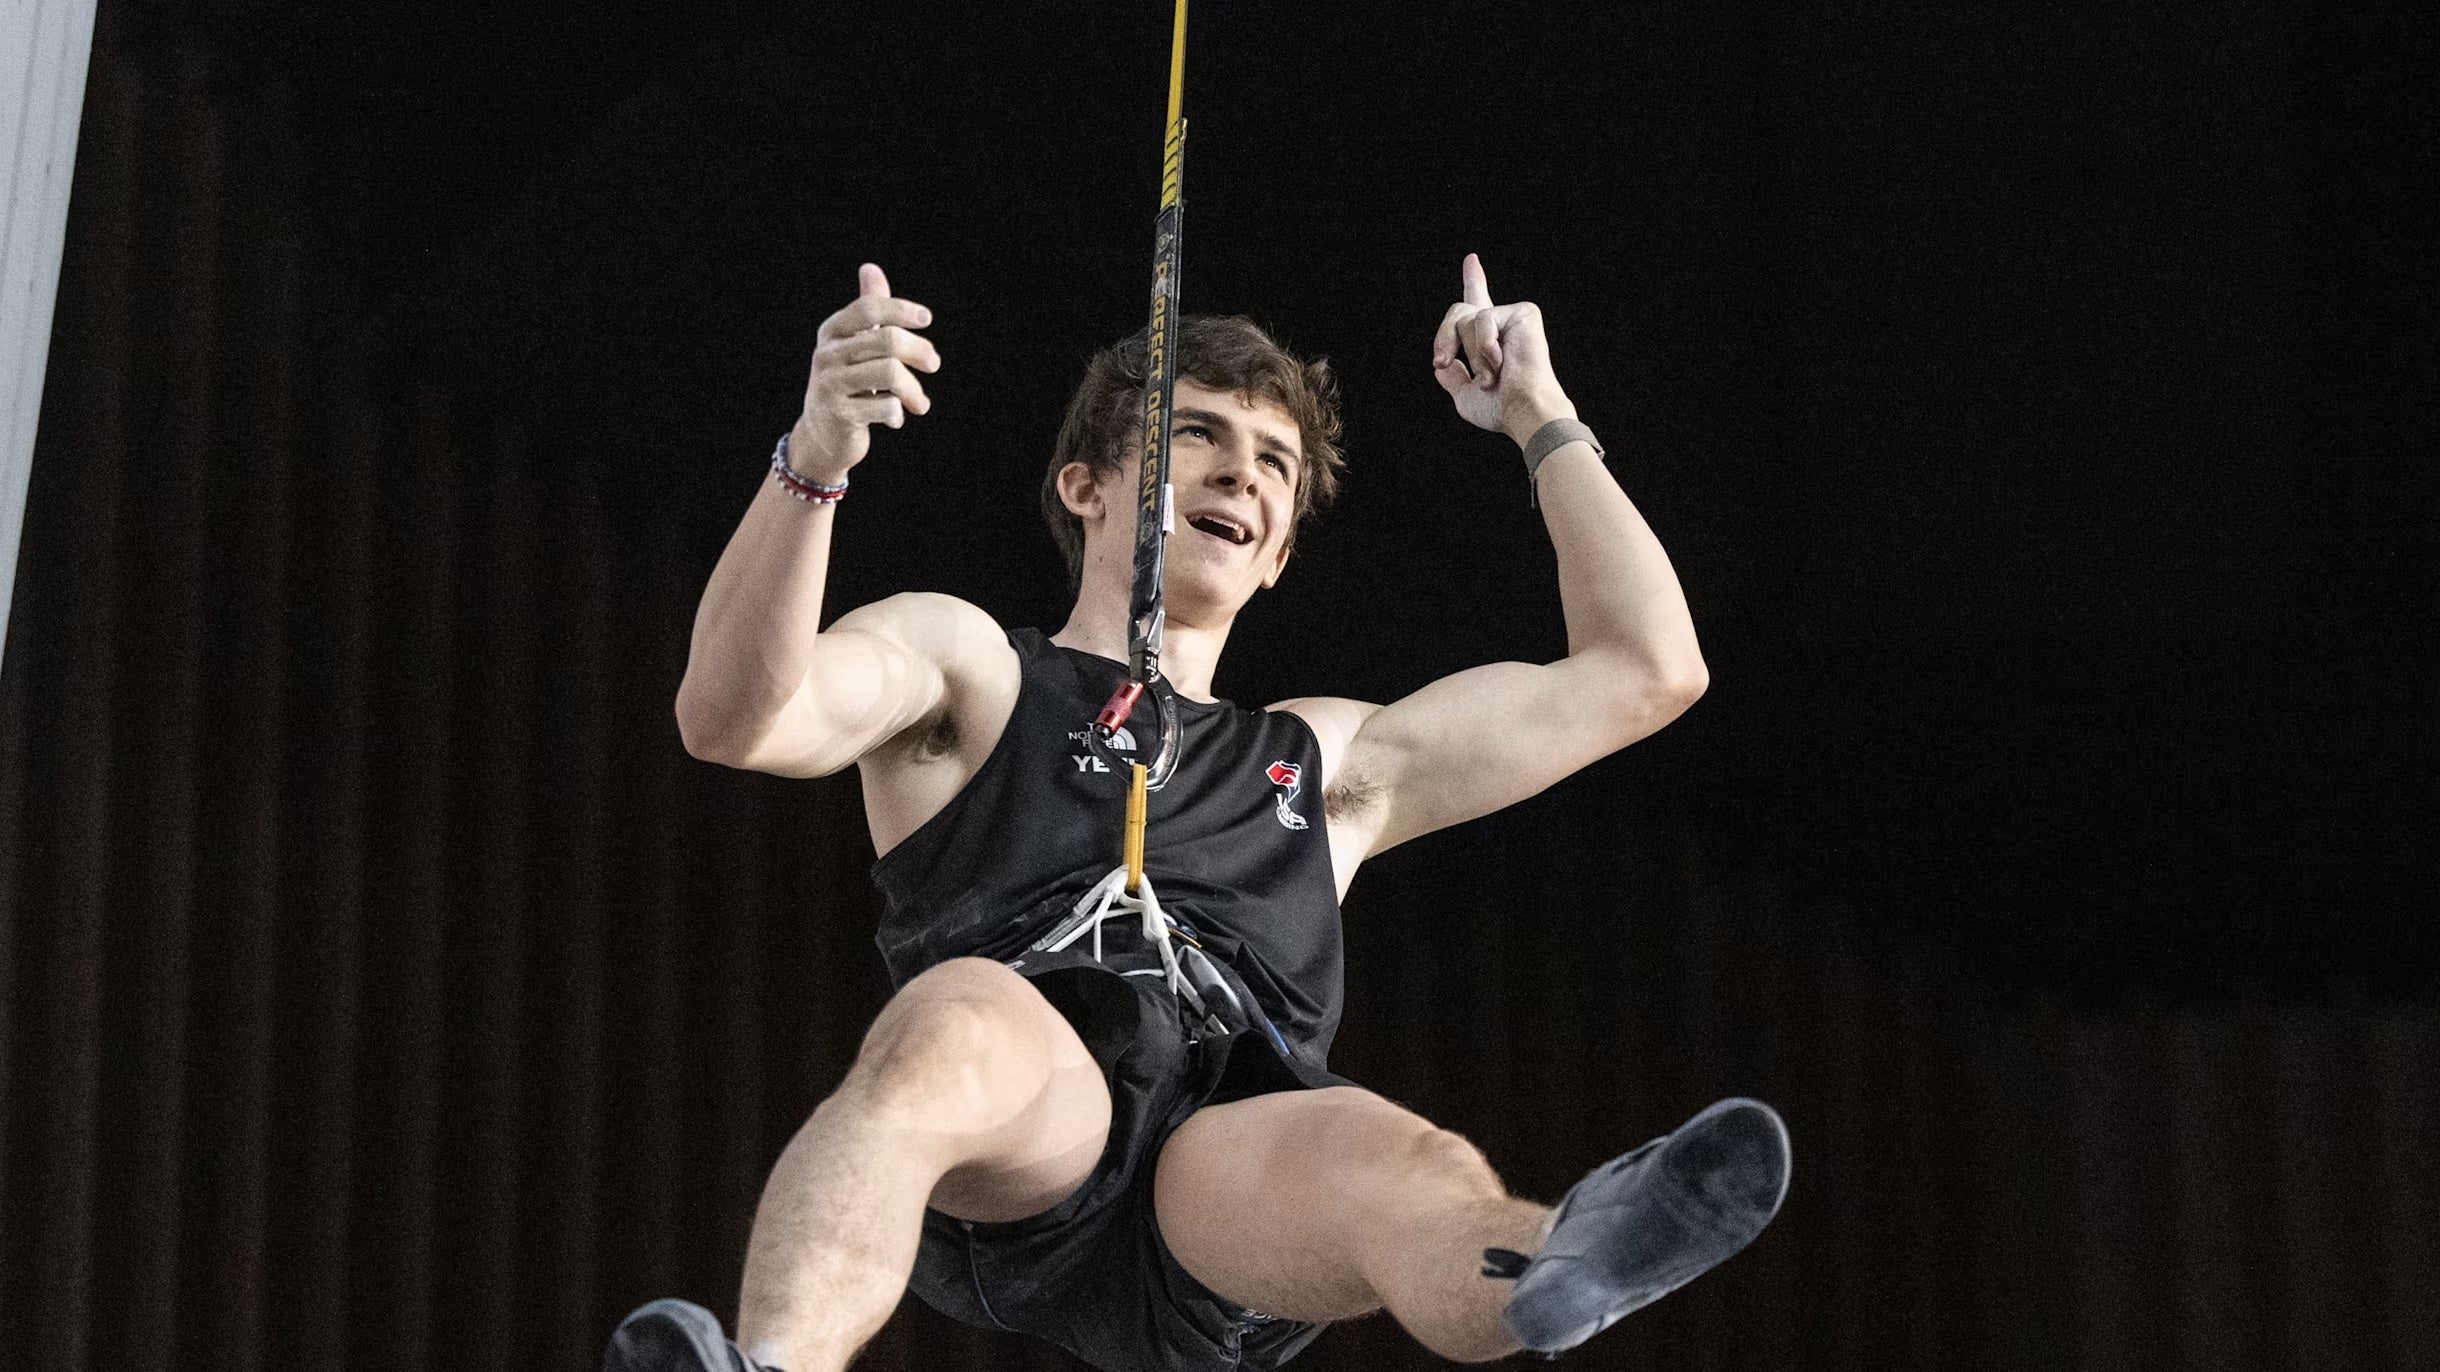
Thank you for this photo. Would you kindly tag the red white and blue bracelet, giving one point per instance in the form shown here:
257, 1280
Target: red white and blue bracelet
805, 489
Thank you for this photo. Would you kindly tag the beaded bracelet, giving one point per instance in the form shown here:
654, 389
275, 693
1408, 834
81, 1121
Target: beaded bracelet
803, 488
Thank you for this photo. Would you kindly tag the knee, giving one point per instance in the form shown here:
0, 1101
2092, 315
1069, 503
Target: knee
1441, 1153
1369, 1131
957, 1048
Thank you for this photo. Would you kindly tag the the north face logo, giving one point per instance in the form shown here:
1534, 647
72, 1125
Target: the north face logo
1088, 761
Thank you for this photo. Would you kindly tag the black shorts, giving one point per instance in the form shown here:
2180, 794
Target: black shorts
1091, 1274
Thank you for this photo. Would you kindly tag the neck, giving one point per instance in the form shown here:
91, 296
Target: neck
1190, 645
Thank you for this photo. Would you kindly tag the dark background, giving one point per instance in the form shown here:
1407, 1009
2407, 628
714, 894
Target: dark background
2025, 396
2030, 396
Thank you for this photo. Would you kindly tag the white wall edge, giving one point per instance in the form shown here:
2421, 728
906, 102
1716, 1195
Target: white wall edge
44, 48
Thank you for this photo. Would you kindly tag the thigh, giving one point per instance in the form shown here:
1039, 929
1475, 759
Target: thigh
1021, 1105
1263, 1200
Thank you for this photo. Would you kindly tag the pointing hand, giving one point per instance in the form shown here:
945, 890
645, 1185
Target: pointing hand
1493, 361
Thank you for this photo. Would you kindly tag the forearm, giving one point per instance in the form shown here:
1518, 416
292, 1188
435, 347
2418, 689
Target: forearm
1632, 657
1619, 594
755, 630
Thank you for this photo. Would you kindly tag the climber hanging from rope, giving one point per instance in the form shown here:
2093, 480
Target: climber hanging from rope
1098, 1107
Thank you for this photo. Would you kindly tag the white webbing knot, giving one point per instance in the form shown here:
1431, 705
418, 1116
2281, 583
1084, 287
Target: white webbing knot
1110, 899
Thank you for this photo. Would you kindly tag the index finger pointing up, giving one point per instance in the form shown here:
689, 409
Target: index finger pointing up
1478, 286
870, 281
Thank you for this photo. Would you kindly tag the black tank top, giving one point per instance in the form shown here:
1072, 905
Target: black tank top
1234, 843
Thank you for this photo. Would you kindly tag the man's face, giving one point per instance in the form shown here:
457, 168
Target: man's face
1234, 466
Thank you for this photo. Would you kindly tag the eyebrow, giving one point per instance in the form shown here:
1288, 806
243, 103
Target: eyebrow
1267, 442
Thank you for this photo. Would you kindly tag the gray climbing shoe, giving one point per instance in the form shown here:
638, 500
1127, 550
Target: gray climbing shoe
674, 1336
1643, 1225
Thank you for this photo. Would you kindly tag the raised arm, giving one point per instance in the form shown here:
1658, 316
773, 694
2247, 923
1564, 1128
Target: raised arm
1485, 738
764, 688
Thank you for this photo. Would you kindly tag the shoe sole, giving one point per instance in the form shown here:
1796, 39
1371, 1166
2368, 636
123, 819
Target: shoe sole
1571, 1304
659, 1337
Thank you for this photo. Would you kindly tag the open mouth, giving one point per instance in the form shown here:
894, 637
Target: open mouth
1222, 527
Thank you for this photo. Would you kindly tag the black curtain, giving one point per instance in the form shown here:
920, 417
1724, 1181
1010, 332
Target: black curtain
381, 986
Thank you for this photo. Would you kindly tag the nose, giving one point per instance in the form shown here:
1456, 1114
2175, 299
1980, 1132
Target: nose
1235, 464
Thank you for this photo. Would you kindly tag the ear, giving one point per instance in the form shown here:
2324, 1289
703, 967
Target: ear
1080, 491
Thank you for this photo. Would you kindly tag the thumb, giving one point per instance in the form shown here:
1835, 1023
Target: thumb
870, 281
1453, 376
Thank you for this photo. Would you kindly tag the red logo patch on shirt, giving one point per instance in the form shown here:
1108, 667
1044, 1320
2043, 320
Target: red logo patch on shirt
1284, 775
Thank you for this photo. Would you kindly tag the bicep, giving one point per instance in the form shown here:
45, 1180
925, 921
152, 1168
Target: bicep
878, 672
1485, 738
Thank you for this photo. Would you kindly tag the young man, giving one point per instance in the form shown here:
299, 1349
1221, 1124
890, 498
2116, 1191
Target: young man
1060, 1139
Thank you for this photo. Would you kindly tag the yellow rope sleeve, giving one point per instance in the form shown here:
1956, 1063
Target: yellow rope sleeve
1136, 795
1177, 64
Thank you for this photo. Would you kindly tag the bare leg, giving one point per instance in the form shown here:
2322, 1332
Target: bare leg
970, 1093
1322, 1205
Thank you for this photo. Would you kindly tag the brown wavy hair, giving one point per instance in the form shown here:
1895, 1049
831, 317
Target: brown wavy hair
1224, 352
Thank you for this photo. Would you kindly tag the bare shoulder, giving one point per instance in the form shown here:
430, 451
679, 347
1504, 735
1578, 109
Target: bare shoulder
940, 629
921, 767
1336, 721
938, 633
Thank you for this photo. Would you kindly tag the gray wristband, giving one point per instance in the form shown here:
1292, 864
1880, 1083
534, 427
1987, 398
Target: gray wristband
1549, 439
